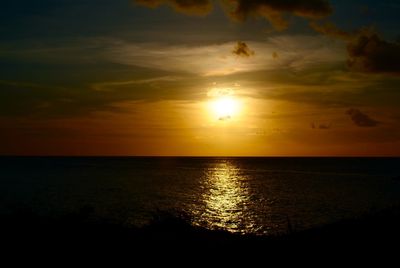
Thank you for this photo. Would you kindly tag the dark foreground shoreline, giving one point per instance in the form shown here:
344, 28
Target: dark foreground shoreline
26, 232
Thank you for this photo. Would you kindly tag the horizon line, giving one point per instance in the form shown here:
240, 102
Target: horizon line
204, 156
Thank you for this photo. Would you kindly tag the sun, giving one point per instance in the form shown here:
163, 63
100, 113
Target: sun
225, 108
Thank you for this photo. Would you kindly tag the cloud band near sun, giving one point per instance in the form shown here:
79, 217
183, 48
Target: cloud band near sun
366, 51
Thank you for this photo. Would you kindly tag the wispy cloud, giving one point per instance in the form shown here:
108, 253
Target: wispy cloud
272, 10
295, 52
193, 7
330, 29
109, 86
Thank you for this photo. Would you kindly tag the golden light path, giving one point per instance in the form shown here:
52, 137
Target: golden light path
226, 197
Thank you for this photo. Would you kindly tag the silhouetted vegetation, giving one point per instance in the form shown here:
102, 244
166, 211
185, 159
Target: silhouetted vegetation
27, 230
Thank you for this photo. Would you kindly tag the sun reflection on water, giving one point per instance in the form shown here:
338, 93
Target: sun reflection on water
225, 198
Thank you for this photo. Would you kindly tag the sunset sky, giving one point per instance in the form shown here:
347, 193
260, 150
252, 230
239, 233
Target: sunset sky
201, 78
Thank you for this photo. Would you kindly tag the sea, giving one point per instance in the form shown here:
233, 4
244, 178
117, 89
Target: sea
246, 195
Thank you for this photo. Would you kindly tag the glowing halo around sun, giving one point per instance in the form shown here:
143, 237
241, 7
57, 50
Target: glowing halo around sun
225, 108
223, 105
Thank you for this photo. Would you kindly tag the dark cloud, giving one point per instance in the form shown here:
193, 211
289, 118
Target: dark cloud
321, 126
361, 119
242, 50
275, 55
224, 118
193, 7
274, 10
369, 53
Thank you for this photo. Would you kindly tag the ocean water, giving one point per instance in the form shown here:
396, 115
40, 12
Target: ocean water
241, 195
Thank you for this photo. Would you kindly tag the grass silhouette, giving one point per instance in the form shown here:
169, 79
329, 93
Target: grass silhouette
24, 230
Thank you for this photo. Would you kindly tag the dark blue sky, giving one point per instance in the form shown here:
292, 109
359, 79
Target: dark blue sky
64, 19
